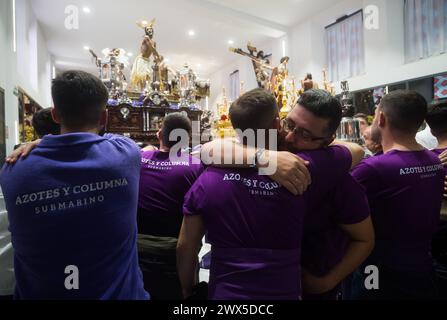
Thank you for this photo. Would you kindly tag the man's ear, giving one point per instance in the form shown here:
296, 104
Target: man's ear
382, 119
104, 118
276, 124
329, 141
159, 134
55, 116
377, 145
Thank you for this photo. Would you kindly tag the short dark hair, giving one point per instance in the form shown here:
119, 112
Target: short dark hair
406, 110
172, 122
44, 124
255, 110
79, 99
323, 105
437, 117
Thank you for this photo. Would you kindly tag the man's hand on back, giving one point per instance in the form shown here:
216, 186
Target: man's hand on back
22, 152
443, 158
291, 171
150, 148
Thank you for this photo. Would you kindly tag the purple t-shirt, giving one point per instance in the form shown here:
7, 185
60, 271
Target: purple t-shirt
255, 226
404, 190
72, 206
324, 242
163, 186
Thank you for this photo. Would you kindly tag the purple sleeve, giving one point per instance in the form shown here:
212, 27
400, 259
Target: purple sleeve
327, 167
147, 154
342, 158
334, 161
368, 177
193, 202
351, 204
198, 167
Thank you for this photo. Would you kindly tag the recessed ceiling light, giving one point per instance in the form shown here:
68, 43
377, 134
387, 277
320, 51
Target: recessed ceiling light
86, 48
199, 65
230, 42
86, 10
191, 33
166, 60
129, 54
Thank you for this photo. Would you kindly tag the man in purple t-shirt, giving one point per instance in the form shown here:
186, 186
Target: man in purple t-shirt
255, 253
437, 120
330, 237
165, 179
330, 241
72, 204
404, 187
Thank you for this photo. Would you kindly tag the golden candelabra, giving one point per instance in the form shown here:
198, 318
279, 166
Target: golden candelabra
223, 127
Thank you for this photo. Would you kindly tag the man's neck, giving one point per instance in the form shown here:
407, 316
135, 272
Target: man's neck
378, 151
65, 130
163, 148
399, 142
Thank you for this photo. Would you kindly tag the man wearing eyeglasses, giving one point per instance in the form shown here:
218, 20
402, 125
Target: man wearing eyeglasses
288, 125
254, 225
328, 254
330, 232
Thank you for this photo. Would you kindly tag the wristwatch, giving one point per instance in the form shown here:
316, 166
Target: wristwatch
257, 157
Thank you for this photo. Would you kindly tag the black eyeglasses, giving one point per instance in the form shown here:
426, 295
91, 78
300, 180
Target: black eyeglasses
289, 125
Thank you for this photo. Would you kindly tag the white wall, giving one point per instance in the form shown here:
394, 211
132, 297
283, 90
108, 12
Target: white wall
221, 79
33, 58
28, 68
384, 50
8, 74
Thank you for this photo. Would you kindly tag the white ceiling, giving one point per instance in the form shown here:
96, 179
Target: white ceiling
113, 24
285, 12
